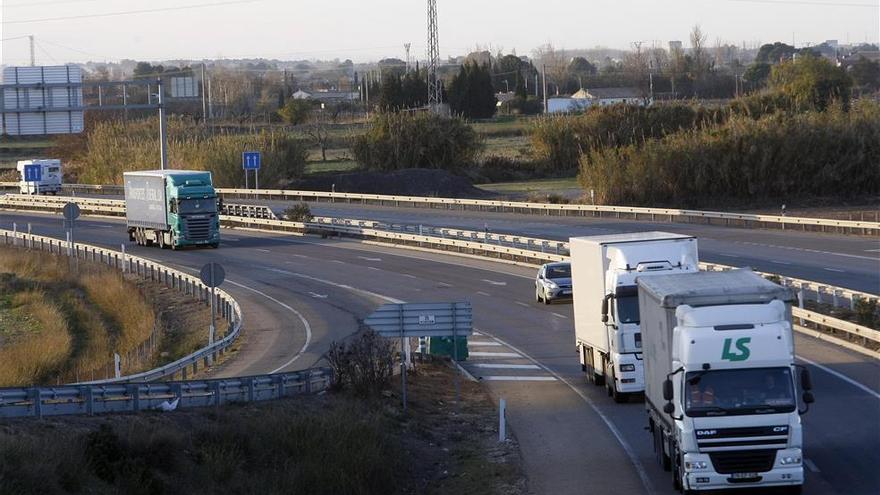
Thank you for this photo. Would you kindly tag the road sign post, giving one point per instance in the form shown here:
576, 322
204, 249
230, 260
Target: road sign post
71, 213
251, 160
212, 275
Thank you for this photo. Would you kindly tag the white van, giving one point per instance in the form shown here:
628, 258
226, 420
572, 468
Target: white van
50, 177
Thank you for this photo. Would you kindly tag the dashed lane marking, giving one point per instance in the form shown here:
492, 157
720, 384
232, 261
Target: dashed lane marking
728, 255
484, 293
836, 270
263, 250
518, 378
806, 250
407, 275
780, 262
559, 316
494, 354
443, 284
493, 282
523, 304
372, 268
841, 376
507, 366
367, 258
483, 343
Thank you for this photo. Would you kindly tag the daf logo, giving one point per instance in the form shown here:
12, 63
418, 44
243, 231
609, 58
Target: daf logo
706, 433
780, 429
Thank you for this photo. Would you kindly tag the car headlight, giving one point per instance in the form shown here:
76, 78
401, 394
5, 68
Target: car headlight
790, 460
695, 465
552, 285
627, 367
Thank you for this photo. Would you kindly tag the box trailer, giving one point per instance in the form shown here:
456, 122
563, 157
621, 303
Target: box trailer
40, 176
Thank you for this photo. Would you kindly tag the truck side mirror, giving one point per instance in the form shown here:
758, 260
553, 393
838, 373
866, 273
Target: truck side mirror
669, 408
806, 380
605, 308
667, 389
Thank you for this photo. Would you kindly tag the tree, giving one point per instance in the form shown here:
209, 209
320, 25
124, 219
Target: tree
698, 52
470, 92
579, 66
757, 73
811, 82
391, 93
774, 53
866, 74
296, 111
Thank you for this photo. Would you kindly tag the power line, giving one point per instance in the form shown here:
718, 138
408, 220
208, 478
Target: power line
131, 12
51, 2
804, 2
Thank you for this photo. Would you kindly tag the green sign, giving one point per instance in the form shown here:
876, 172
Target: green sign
743, 353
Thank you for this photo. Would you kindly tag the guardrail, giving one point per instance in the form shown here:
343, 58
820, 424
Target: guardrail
134, 397
631, 212
228, 308
480, 245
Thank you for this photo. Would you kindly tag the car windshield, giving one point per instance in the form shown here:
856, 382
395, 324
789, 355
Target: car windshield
627, 298
739, 391
559, 271
197, 206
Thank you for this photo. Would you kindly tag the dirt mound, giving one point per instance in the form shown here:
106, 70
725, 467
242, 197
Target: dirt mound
407, 182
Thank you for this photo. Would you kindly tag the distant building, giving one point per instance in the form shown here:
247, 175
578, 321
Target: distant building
566, 104
326, 96
675, 46
832, 43
611, 96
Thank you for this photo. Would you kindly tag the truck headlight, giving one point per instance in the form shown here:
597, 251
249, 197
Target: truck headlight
627, 367
695, 465
790, 460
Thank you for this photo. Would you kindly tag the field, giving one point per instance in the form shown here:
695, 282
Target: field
328, 444
59, 326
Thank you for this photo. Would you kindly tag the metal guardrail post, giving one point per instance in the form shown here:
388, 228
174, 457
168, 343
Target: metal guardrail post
88, 399
134, 391
37, 399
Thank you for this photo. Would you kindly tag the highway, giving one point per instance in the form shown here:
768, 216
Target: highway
299, 294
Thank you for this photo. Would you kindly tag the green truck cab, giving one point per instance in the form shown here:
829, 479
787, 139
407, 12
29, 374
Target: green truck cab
171, 208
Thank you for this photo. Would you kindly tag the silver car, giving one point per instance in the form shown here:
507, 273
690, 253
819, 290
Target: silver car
553, 282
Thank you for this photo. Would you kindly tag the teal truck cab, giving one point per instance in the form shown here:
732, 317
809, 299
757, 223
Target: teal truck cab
171, 208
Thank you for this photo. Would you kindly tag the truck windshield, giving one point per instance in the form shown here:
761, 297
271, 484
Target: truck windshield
197, 206
739, 391
627, 298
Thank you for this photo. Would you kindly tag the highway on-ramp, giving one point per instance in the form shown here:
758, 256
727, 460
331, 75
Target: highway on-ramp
299, 294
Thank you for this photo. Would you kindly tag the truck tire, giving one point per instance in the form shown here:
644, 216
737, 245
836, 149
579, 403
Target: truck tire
161, 240
662, 458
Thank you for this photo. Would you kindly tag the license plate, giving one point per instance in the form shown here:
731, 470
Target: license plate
564, 292
741, 476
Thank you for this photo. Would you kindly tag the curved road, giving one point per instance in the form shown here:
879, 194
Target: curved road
573, 438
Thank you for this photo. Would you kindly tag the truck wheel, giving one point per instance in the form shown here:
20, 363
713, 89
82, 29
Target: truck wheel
161, 240
619, 397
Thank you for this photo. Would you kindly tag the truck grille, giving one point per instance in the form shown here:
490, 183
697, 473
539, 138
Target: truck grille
743, 461
198, 229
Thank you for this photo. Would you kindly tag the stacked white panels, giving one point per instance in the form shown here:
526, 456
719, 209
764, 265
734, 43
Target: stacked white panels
55, 107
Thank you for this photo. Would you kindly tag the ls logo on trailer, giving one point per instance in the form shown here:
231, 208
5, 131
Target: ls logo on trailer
743, 353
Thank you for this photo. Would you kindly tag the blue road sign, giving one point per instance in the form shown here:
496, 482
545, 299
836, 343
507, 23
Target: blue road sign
250, 160
33, 173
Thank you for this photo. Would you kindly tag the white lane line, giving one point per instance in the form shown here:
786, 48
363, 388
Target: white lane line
407, 275
494, 354
347, 287
559, 316
263, 250
518, 378
476, 333
840, 375
523, 304
633, 458
872, 250
229, 239
372, 268
728, 255
484, 293
318, 296
367, 258
443, 284
482, 343
337, 261
811, 465
298, 256
466, 372
493, 282
835, 270
506, 366
780, 262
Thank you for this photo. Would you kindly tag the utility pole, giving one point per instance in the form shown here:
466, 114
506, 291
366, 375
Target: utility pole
33, 58
544, 77
163, 139
407, 46
204, 97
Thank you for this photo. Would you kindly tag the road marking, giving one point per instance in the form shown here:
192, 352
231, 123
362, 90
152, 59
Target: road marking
337, 261
476, 333
263, 250
347, 287
811, 465
372, 268
494, 354
791, 248
486, 343
298, 256
841, 376
494, 282
318, 296
407, 275
559, 316
835, 270
484, 293
229, 239
283, 272
518, 378
367, 258
507, 366
872, 250
523, 304
780, 262
633, 458
728, 255
443, 284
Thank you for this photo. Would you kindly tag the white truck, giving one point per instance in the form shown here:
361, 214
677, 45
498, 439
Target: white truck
721, 383
604, 271
39, 176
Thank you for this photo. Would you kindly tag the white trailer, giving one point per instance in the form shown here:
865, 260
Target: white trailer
720, 389
606, 313
50, 177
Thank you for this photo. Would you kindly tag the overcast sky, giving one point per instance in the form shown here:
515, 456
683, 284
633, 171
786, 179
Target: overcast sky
364, 30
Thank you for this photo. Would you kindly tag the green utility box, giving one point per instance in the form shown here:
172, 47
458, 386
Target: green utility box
442, 346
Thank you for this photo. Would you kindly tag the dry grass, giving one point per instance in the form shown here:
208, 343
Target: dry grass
67, 326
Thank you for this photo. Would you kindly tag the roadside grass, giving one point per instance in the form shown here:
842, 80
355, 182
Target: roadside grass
331, 166
503, 126
538, 186
35, 338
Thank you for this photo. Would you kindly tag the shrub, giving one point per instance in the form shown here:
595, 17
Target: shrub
401, 140
833, 153
365, 363
298, 213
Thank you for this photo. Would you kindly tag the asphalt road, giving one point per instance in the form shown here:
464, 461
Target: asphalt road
574, 439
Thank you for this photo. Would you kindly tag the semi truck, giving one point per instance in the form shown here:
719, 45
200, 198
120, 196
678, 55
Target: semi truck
721, 385
49, 178
171, 208
604, 271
